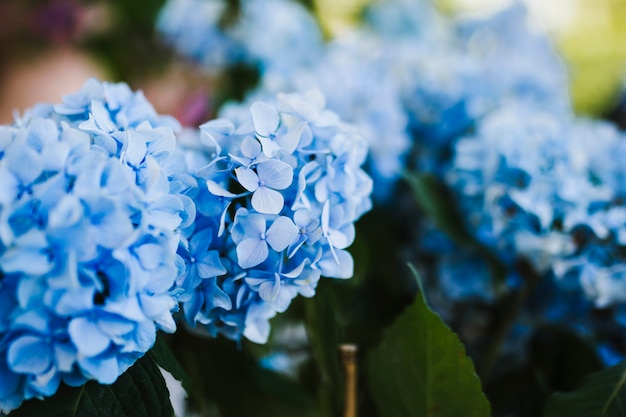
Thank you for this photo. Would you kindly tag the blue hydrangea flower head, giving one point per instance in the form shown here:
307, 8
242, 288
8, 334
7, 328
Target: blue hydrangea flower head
280, 190
193, 29
91, 208
274, 36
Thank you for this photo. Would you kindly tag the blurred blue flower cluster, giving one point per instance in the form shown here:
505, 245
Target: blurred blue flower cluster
283, 41
280, 186
481, 103
273, 34
91, 207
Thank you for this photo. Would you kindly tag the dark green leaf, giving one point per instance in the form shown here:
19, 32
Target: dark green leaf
602, 394
420, 369
228, 381
164, 357
139, 392
558, 359
324, 334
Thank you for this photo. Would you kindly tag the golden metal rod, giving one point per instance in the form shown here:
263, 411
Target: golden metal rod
348, 355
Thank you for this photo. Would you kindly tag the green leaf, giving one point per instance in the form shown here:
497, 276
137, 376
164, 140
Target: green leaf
558, 359
601, 394
420, 369
164, 357
139, 392
324, 329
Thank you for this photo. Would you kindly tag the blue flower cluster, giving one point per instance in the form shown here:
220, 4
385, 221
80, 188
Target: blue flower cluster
276, 35
91, 207
280, 186
283, 41
481, 103
546, 186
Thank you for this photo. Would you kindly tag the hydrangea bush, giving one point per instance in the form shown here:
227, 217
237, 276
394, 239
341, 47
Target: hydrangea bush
105, 229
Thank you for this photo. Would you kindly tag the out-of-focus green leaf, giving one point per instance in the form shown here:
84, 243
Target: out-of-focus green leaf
420, 369
164, 357
558, 360
228, 380
602, 394
139, 392
324, 333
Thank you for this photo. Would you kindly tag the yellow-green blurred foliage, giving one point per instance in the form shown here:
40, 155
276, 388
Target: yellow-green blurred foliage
594, 46
337, 15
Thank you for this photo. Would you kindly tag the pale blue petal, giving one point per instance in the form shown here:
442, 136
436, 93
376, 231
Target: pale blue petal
45, 383
9, 186
221, 299
115, 177
164, 213
216, 130
201, 241
41, 132
326, 218
336, 265
103, 369
257, 332
25, 163
268, 290
265, 118
253, 224
29, 256
275, 174
251, 252
29, 355
77, 103
68, 212
65, 356
247, 178
218, 190
270, 147
54, 156
281, 233
150, 255
268, 201
250, 148
101, 116
338, 239
290, 140
134, 150
115, 326
295, 273
210, 265
114, 229
87, 337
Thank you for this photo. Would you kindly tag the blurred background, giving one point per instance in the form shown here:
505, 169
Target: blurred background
48, 48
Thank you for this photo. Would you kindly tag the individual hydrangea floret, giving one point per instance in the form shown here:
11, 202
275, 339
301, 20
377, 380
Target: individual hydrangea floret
277, 200
91, 207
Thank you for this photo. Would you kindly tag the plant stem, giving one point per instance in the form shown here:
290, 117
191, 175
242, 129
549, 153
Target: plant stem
348, 354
